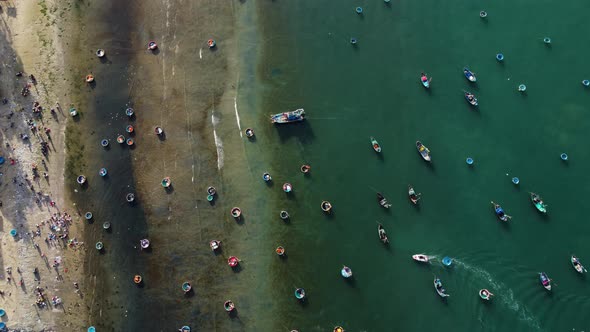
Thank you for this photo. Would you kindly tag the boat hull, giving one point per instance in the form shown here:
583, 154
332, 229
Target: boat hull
288, 117
423, 150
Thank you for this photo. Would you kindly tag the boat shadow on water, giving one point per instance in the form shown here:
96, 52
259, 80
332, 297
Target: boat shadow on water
169, 190
299, 130
238, 268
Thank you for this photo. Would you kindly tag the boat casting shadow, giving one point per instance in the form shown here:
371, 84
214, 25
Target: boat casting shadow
300, 130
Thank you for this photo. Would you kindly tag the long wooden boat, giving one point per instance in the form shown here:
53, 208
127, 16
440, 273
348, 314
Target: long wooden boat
383, 201
287, 117
470, 97
375, 144
439, 288
425, 80
538, 203
577, 265
424, 152
545, 281
382, 234
421, 258
414, 198
469, 75
500, 212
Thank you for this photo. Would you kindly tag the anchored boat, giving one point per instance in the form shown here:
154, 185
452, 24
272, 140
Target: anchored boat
500, 212
280, 251
152, 46
144, 243
166, 182
229, 306
425, 80
158, 130
383, 201
382, 234
211, 43
130, 197
470, 97
538, 203
424, 152
414, 198
233, 261
300, 294
577, 265
288, 117
439, 288
137, 279
215, 244
186, 287
100, 53
81, 179
375, 144
287, 187
346, 272
129, 111
469, 75
326, 206
266, 177
236, 212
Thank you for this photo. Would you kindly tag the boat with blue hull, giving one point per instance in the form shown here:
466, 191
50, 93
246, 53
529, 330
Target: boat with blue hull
288, 117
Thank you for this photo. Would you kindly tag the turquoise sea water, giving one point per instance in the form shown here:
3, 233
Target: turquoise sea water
351, 93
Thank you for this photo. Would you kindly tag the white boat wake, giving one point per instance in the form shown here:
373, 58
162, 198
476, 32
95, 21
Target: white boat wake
218, 142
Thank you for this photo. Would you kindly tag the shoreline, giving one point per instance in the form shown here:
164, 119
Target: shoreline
31, 28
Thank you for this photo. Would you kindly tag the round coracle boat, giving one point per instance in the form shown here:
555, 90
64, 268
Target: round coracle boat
229, 306
236, 212
280, 251
326, 206
214, 244
152, 45
137, 279
233, 261
89, 78
144, 243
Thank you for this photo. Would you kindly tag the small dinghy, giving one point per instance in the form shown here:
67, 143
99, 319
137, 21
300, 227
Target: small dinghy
129, 111
99, 246
88, 215
500, 212
339, 328
144, 243
305, 169
383, 201
166, 182
280, 251
186, 287
103, 172
129, 129
73, 112
287, 187
382, 234
100, 53
120, 139
104, 143
425, 80
538, 203
326, 206
130, 197
266, 177
284, 215
414, 198
211, 43
577, 265
229, 306
152, 46
439, 288
211, 191
214, 244
300, 294
447, 261
375, 144
470, 97
485, 294
89, 78
81, 179
424, 152
106, 225
158, 131
545, 281
130, 141
236, 212
421, 258
233, 261
469, 75
249, 132
346, 272
137, 279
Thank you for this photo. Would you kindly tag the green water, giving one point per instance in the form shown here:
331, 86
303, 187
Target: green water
351, 93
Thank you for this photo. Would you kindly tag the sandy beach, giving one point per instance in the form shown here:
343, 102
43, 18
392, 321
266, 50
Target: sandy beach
40, 264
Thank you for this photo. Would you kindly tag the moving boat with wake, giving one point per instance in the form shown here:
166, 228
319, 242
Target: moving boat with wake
485, 294
421, 258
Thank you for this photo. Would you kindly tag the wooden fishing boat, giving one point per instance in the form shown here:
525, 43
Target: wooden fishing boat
577, 265
485, 294
421, 258
382, 234
346, 272
214, 244
424, 152
186, 287
414, 198
425, 80
288, 117
545, 281
229, 306
137, 279
439, 288
300, 294
538, 203
500, 212
375, 144
326, 206
383, 201
470, 97
233, 261
469, 75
